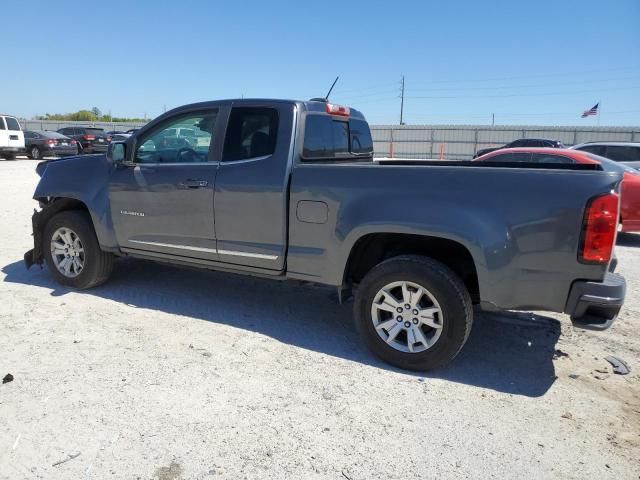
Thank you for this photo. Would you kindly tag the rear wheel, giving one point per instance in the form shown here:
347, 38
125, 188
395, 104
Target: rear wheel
34, 153
72, 252
413, 312
9, 156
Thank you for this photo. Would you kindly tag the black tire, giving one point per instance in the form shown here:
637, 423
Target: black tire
443, 284
97, 264
34, 153
9, 156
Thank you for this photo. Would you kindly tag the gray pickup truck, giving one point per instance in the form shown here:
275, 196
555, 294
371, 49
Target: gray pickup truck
290, 190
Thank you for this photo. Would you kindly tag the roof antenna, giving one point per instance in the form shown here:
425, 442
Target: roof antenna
331, 89
326, 98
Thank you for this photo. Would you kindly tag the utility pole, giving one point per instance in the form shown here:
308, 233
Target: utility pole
493, 119
402, 101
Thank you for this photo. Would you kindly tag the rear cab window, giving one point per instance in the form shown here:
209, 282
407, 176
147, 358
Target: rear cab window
329, 137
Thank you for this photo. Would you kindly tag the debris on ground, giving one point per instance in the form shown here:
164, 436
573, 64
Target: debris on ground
69, 457
620, 367
559, 354
567, 415
7, 378
574, 376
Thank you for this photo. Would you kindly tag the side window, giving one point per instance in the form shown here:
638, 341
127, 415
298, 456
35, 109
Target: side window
29, 135
622, 154
361, 141
595, 149
252, 132
2, 127
546, 158
12, 124
183, 139
518, 143
510, 157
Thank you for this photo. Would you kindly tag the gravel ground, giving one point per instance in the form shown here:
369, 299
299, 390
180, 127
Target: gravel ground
173, 373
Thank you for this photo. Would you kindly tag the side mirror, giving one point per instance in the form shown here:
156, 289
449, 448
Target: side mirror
117, 152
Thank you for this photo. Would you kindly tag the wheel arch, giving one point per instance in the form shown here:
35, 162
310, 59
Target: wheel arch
373, 248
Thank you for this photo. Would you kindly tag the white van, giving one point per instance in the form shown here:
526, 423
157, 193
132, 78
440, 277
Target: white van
11, 137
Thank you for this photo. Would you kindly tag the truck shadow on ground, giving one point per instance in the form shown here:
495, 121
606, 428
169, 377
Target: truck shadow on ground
507, 352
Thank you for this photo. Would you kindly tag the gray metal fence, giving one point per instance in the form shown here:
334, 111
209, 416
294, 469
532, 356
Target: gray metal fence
452, 142
460, 142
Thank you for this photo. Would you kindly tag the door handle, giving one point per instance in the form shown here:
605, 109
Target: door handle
189, 183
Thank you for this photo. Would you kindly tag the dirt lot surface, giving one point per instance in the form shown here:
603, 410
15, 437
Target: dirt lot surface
170, 373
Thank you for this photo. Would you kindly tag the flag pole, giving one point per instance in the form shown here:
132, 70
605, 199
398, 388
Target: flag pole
599, 110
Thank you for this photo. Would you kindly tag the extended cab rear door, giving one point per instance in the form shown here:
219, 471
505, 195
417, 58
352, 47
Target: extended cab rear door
251, 193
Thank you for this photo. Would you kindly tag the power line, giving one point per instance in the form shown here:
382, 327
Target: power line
550, 75
523, 94
504, 87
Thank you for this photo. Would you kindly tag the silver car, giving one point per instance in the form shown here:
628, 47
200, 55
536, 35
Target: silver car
627, 153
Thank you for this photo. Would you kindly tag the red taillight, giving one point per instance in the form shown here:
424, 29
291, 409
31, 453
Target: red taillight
599, 228
89, 137
51, 141
72, 142
337, 110
109, 138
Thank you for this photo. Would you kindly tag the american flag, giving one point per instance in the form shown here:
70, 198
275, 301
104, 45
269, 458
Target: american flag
592, 111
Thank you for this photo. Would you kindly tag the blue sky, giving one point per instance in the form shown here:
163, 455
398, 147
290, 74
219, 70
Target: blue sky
541, 62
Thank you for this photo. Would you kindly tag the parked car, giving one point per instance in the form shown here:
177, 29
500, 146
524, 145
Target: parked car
90, 139
627, 153
523, 143
40, 144
296, 195
630, 189
11, 137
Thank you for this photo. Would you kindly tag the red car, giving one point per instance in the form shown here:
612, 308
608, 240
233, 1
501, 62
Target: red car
630, 191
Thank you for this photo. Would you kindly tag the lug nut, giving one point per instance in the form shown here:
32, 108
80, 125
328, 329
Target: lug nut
399, 309
399, 318
415, 321
415, 312
407, 306
407, 324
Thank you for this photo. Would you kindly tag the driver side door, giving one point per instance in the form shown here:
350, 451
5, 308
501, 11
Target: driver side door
162, 198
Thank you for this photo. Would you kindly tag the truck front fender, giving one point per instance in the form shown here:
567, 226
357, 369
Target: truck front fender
83, 179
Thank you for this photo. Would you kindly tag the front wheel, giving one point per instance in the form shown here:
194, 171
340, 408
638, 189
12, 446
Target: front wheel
413, 312
72, 251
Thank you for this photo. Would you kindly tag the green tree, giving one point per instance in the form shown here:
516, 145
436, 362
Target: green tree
96, 111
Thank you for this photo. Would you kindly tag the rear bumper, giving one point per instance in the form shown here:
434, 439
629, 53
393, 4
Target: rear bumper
11, 149
595, 305
61, 152
95, 148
